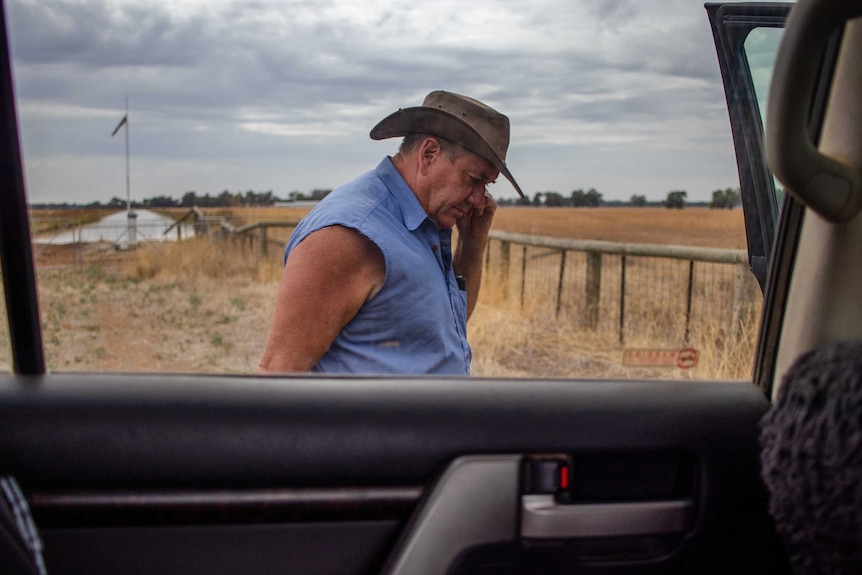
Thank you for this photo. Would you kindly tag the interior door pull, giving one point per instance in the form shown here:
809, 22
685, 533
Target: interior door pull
827, 185
544, 518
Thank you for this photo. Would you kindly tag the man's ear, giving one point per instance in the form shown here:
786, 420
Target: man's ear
429, 152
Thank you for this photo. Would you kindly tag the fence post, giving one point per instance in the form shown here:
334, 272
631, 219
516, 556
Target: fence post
261, 236
593, 288
622, 296
560, 280
505, 249
523, 273
688, 300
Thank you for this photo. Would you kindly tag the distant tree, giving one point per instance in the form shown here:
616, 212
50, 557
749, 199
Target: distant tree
593, 198
578, 198
160, 202
189, 199
727, 198
319, 194
638, 200
676, 199
537, 199
117, 203
522, 201
555, 200
225, 198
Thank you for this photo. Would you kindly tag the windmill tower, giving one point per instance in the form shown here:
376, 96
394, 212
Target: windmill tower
131, 217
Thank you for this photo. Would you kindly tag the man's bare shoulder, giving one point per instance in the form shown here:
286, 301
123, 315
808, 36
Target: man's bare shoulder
339, 253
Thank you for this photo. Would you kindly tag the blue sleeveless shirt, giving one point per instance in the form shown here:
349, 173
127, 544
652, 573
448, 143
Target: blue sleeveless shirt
417, 322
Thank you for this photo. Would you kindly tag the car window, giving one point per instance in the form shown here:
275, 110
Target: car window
761, 48
170, 148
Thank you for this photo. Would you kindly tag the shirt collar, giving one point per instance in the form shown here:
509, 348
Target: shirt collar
411, 210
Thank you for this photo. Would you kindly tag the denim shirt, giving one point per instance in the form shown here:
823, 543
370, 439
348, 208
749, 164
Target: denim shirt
417, 322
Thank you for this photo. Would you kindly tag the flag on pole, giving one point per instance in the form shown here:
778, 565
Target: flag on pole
120, 125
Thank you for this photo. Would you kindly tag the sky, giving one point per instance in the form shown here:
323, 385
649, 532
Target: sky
623, 96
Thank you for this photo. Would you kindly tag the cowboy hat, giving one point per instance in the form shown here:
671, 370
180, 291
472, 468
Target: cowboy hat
465, 121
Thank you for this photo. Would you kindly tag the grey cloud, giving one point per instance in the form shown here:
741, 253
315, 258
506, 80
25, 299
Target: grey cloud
193, 80
94, 35
615, 12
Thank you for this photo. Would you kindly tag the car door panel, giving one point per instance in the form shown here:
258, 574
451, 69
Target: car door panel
126, 458
313, 548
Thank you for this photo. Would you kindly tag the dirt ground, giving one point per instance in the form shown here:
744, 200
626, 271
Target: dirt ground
204, 326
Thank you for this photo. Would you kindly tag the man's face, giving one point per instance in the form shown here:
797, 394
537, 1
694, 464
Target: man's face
458, 187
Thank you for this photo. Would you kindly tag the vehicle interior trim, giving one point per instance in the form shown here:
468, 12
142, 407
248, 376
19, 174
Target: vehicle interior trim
473, 503
544, 518
105, 508
823, 297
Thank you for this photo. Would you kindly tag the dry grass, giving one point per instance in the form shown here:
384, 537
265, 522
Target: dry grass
688, 227
204, 307
511, 341
195, 307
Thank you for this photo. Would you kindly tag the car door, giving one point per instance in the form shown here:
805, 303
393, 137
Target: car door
746, 37
161, 473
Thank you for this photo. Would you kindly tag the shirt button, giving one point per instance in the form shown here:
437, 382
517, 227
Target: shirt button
435, 248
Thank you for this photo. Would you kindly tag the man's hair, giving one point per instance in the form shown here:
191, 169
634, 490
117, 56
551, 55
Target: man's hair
412, 140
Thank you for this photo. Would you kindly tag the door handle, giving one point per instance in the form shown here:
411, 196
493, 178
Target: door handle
543, 518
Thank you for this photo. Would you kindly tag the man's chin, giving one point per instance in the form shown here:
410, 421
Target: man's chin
445, 222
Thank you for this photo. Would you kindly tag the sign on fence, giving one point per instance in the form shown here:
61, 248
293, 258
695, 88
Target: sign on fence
685, 358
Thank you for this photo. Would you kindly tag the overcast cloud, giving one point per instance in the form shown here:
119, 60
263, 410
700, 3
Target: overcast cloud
621, 95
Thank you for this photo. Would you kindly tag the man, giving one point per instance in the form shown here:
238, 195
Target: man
370, 283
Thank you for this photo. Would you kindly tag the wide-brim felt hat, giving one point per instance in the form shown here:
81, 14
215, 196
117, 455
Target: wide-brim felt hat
460, 119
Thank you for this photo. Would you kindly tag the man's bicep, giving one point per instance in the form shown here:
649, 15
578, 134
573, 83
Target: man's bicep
326, 280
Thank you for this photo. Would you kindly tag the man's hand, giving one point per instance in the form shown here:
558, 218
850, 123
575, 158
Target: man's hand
476, 224
473, 231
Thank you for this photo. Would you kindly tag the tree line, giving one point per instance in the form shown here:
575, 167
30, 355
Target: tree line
676, 199
225, 199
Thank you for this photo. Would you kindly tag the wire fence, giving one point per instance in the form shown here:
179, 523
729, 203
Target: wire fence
664, 294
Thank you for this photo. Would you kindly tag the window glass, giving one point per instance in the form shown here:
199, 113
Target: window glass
170, 147
761, 48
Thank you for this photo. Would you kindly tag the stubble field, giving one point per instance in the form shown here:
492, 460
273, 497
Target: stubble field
204, 306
